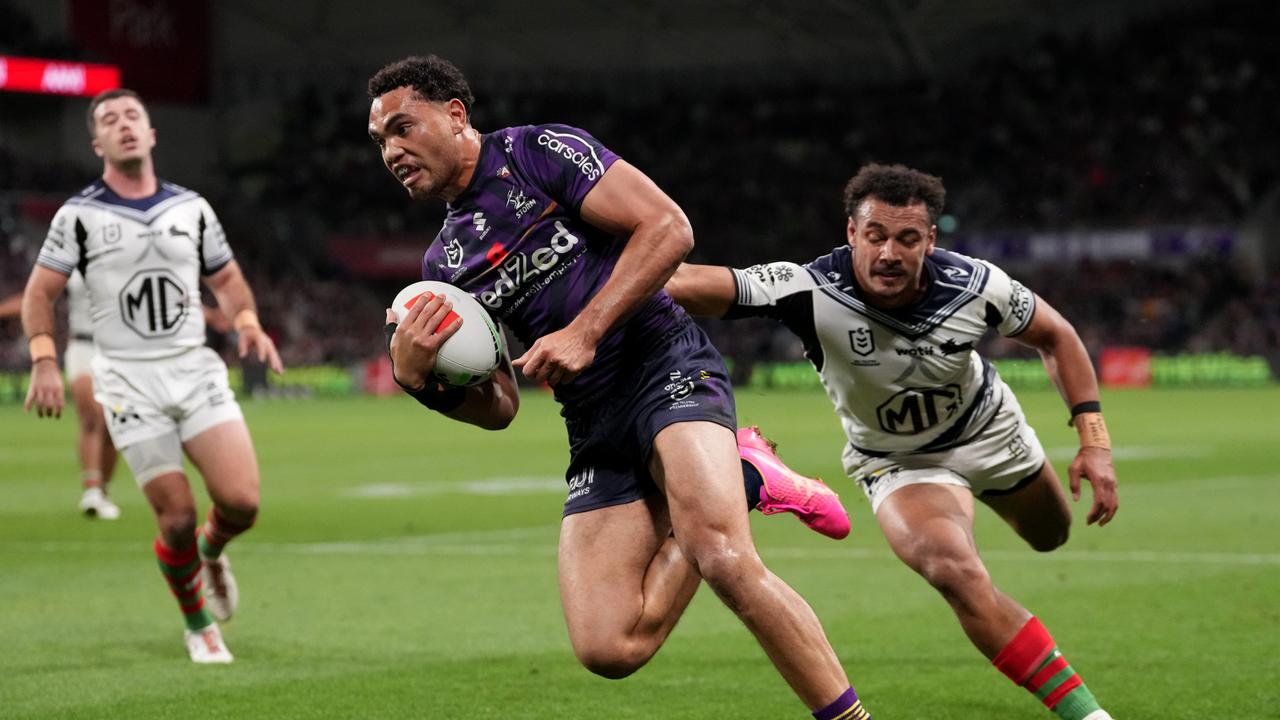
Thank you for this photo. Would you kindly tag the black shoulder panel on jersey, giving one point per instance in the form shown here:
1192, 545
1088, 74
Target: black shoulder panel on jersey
82, 239
796, 312
993, 316
200, 228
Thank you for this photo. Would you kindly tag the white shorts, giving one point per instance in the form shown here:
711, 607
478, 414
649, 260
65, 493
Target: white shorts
145, 399
75, 362
1001, 459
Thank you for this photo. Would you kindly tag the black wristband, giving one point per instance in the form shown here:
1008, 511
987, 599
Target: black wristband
441, 398
437, 397
1088, 406
388, 330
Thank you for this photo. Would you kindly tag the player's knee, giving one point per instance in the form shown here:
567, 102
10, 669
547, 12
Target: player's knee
613, 660
954, 576
178, 526
1050, 537
240, 507
727, 571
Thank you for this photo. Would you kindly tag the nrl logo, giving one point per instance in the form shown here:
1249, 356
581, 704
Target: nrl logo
862, 340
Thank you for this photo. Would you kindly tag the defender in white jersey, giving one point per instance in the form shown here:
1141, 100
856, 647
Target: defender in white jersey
93, 443
94, 450
143, 246
890, 324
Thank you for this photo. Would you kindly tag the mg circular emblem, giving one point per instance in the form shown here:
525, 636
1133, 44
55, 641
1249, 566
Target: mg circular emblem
154, 303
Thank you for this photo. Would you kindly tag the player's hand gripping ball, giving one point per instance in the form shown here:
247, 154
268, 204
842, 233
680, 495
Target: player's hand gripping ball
474, 352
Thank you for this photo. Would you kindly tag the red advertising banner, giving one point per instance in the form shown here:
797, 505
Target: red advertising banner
161, 46
1125, 367
56, 77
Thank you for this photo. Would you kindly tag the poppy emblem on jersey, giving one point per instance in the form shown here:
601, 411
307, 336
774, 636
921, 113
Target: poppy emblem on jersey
862, 340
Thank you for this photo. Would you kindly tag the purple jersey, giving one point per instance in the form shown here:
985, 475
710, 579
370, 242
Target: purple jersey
514, 239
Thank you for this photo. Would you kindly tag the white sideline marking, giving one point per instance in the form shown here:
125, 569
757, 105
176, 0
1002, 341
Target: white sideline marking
541, 542
488, 486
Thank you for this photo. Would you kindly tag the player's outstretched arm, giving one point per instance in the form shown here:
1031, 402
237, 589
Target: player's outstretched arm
1069, 366
413, 346
11, 306
706, 290
627, 204
45, 393
236, 301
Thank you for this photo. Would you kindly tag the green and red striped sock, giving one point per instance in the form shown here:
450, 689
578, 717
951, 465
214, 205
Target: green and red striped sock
218, 531
1032, 660
181, 569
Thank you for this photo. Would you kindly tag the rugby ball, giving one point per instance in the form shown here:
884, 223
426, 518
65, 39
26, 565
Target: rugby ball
474, 352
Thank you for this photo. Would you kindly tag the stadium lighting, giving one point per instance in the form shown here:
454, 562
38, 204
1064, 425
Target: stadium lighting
56, 77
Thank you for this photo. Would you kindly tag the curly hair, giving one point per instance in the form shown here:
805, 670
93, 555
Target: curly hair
432, 77
896, 185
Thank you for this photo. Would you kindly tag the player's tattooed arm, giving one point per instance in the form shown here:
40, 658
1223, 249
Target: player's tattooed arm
706, 290
1069, 367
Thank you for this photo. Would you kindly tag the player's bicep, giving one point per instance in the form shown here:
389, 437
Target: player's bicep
1044, 328
625, 198
224, 277
44, 286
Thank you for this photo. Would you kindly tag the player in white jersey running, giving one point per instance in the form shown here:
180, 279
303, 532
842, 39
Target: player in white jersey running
143, 246
93, 445
890, 323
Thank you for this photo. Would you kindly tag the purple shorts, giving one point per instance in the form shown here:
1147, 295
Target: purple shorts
611, 439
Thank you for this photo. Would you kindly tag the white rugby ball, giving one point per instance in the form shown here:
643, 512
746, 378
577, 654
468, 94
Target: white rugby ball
474, 352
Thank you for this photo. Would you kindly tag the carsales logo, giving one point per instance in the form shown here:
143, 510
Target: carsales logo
587, 162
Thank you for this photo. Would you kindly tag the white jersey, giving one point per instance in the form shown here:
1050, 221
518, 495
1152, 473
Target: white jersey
79, 323
905, 380
142, 261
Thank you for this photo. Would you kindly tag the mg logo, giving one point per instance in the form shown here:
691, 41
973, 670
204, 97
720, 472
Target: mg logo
915, 410
154, 303
862, 340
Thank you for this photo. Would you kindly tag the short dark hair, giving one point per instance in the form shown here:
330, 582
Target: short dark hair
896, 185
106, 95
432, 77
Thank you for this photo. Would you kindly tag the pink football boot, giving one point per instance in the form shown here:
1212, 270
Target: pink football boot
785, 490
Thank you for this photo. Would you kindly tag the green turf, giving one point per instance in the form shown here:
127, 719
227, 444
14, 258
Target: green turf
382, 582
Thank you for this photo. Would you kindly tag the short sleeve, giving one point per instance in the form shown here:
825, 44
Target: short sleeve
64, 243
776, 290
565, 162
215, 252
1010, 305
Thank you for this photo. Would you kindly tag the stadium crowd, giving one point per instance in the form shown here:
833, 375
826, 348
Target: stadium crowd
1163, 124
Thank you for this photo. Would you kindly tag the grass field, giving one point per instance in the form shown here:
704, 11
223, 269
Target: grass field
404, 567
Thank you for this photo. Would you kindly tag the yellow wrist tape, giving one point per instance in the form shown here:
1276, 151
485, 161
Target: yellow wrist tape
1092, 430
246, 318
41, 346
